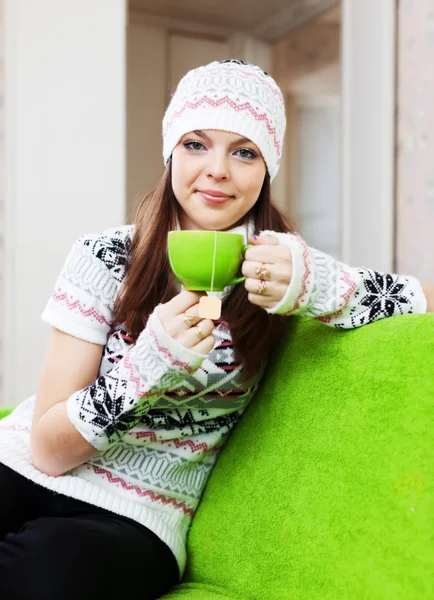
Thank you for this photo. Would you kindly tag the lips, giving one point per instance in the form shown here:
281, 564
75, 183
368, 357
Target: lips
214, 197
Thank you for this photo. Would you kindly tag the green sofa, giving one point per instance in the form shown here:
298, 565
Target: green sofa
325, 489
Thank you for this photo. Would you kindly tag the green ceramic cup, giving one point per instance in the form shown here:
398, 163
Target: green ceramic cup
191, 257
5, 410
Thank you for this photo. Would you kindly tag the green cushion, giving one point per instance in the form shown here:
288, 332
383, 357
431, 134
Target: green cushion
197, 591
325, 489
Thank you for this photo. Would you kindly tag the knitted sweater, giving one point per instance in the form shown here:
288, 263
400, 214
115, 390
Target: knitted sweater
159, 413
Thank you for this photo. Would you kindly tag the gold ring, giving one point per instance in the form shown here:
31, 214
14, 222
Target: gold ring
189, 319
262, 272
262, 287
199, 332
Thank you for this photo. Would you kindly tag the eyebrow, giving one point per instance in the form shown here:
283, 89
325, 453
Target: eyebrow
240, 140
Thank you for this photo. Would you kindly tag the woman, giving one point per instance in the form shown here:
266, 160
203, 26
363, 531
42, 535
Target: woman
103, 469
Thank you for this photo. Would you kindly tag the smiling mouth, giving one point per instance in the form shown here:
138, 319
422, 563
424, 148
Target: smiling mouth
214, 199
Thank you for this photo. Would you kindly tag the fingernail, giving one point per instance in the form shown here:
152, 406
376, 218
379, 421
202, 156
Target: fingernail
255, 237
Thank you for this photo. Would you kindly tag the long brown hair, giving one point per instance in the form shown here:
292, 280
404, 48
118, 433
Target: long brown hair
149, 280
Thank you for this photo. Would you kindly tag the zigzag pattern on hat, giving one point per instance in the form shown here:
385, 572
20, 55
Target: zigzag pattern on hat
230, 96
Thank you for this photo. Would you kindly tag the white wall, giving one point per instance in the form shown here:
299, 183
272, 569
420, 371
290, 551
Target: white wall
65, 156
318, 210
307, 63
368, 142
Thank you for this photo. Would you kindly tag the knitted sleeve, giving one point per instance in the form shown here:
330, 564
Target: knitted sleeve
85, 291
82, 305
342, 296
107, 409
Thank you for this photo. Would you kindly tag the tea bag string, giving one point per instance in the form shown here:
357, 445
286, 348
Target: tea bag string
213, 261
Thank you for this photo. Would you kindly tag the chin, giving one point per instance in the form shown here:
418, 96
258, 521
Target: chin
211, 220
219, 226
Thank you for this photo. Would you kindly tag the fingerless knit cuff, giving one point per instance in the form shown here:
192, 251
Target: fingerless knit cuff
107, 409
342, 296
299, 292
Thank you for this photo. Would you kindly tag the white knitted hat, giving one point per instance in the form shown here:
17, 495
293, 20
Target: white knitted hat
233, 96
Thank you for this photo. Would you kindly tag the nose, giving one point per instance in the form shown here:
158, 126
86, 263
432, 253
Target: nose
218, 166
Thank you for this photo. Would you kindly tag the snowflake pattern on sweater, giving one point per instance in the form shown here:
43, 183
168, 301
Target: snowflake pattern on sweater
159, 413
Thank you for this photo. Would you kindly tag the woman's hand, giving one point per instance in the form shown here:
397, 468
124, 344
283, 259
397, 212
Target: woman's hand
180, 319
271, 263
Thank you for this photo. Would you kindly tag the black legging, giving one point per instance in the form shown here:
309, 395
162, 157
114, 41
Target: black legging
52, 546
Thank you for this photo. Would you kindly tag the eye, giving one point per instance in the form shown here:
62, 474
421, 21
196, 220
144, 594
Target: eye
193, 146
246, 154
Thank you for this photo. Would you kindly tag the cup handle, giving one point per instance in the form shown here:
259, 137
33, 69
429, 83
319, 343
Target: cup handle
240, 279
237, 280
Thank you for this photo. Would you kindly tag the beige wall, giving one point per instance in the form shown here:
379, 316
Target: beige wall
308, 69
307, 61
415, 130
146, 97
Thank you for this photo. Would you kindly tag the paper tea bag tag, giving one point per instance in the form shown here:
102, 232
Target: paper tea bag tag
210, 308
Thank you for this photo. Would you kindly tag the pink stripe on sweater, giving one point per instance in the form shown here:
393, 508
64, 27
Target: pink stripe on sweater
345, 276
178, 443
127, 338
72, 304
140, 389
149, 493
306, 274
194, 446
141, 434
135, 379
177, 363
352, 285
15, 428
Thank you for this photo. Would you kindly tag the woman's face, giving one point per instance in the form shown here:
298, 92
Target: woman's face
216, 177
